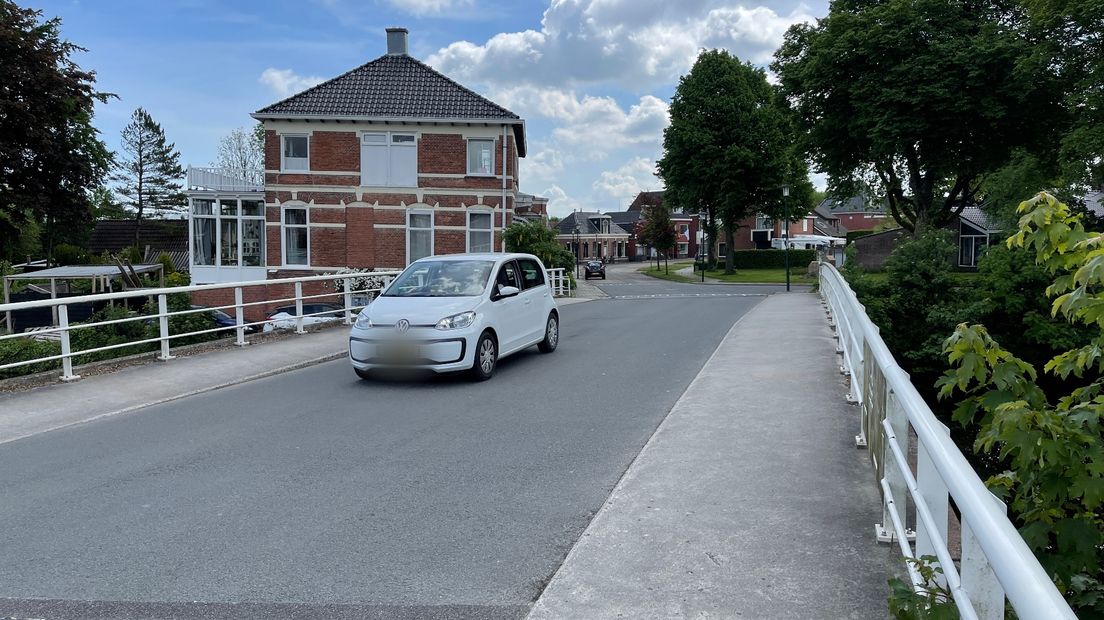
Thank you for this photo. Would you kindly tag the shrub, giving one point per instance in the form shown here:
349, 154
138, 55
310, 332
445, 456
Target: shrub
23, 349
166, 263
771, 259
855, 234
66, 254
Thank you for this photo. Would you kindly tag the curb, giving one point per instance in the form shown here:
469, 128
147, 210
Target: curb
210, 388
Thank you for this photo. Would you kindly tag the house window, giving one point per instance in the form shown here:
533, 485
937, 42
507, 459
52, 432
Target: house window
481, 157
683, 249
419, 235
389, 159
232, 226
204, 224
296, 236
295, 153
480, 234
805, 225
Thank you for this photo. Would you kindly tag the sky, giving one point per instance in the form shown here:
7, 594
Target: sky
592, 78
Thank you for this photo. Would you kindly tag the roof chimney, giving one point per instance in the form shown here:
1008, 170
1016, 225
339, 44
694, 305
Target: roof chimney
396, 41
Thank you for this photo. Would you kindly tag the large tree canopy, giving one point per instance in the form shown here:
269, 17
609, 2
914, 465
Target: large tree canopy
729, 147
1071, 34
918, 99
50, 154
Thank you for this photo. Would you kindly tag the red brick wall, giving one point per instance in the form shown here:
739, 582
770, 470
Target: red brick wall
335, 151
272, 150
442, 154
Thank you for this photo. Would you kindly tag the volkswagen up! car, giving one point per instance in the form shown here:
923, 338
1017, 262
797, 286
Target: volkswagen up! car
460, 312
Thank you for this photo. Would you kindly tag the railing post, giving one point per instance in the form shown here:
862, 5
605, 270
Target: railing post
935, 494
66, 350
299, 308
239, 317
349, 301
894, 477
163, 321
978, 579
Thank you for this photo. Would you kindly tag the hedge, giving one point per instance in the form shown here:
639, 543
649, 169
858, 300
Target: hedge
771, 259
855, 234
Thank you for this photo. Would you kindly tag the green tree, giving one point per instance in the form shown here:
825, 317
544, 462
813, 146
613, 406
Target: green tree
1054, 448
1070, 34
918, 99
658, 231
50, 154
728, 149
537, 239
148, 172
105, 206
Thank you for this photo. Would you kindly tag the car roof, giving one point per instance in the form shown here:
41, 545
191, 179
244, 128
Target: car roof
495, 256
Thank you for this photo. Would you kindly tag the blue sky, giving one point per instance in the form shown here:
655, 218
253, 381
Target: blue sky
592, 78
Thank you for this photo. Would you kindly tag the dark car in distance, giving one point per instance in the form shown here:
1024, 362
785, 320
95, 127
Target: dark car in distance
594, 268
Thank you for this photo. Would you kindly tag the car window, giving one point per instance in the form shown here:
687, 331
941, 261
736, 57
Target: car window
442, 278
531, 273
507, 276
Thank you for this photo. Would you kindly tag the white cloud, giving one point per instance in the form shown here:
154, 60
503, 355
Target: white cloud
597, 124
629, 42
624, 183
285, 82
429, 7
541, 167
560, 204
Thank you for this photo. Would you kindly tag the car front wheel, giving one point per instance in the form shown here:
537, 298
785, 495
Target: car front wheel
551, 335
486, 357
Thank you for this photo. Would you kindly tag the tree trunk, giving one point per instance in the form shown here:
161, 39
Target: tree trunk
710, 233
666, 267
730, 236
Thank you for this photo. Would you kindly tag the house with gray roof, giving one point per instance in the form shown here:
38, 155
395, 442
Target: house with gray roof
593, 236
382, 165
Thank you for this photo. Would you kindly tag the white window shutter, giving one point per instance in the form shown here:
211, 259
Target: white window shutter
404, 166
373, 160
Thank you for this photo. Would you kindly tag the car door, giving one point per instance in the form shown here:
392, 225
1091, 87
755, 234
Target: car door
509, 317
534, 298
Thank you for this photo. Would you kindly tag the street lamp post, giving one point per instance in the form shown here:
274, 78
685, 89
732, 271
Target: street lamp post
576, 233
786, 230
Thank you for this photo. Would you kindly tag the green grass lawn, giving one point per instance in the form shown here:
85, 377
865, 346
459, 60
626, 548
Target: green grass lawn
761, 276
749, 276
662, 274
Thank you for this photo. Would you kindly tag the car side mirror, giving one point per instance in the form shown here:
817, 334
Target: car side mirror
507, 291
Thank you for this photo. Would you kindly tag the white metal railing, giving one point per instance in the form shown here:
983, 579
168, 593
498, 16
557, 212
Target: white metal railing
225, 180
995, 561
558, 280
350, 297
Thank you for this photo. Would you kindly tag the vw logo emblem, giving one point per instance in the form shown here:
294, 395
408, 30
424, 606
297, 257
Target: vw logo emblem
402, 325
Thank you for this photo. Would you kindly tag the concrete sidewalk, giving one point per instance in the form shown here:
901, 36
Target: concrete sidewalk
749, 501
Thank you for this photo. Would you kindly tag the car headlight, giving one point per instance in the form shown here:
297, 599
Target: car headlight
457, 321
363, 322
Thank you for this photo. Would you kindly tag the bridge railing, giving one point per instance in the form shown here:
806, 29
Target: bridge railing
344, 289
920, 471
558, 280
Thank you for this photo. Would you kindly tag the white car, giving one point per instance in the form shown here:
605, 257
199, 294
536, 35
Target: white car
457, 312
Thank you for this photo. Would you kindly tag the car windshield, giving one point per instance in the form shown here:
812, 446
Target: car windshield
442, 278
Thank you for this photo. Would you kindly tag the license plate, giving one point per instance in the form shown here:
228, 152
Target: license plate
399, 352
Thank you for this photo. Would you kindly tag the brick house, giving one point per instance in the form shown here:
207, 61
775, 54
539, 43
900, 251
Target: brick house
377, 167
593, 235
686, 227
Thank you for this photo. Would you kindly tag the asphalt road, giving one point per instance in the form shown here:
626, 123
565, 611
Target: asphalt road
315, 494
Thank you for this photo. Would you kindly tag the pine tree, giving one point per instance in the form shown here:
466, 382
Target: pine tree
148, 171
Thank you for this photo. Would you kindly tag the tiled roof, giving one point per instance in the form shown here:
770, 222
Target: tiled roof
394, 85
854, 204
646, 198
980, 219
566, 226
170, 236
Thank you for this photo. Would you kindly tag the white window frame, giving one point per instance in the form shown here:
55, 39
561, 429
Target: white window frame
283, 162
213, 216
389, 143
467, 158
432, 230
283, 237
468, 229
